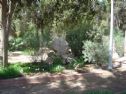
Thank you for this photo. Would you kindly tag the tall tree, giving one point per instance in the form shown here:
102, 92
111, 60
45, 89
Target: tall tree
7, 7
4, 30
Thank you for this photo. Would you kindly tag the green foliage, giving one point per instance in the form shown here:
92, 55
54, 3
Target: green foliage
56, 66
89, 51
77, 63
23, 43
30, 40
16, 70
16, 44
25, 36
99, 92
87, 29
28, 36
94, 52
75, 39
32, 67
76, 36
58, 17
10, 72
45, 37
119, 42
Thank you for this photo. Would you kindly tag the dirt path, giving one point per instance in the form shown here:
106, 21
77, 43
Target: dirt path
18, 56
95, 79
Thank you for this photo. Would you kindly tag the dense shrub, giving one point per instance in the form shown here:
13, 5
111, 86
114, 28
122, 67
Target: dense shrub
23, 43
76, 63
57, 65
75, 39
94, 52
16, 44
25, 36
29, 40
119, 42
81, 33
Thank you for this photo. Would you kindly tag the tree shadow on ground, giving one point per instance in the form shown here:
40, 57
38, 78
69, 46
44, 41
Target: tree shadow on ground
115, 82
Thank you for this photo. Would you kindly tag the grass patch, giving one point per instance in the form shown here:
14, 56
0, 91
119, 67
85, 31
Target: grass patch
99, 92
76, 63
17, 70
11, 71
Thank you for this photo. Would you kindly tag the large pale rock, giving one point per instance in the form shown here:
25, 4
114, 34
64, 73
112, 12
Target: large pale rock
44, 54
61, 47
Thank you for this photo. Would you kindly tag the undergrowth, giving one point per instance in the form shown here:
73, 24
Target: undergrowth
17, 70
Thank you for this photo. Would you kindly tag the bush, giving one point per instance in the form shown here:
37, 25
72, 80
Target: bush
11, 71
94, 52
31, 40
17, 70
16, 44
119, 42
56, 66
77, 63
75, 39
82, 33
28, 40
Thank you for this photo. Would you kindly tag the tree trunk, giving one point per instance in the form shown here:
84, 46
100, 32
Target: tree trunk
125, 44
1, 33
7, 11
5, 37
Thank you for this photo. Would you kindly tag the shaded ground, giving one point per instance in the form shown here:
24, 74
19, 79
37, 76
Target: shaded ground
95, 79
114, 81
